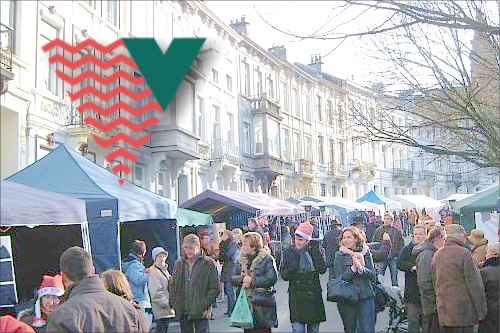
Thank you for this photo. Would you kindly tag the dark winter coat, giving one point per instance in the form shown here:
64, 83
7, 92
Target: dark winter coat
89, 307
192, 294
396, 239
331, 245
262, 268
490, 273
405, 262
423, 256
28, 316
305, 297
365, 280
460, 297
228, 251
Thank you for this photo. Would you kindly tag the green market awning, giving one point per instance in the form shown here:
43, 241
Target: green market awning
187, 217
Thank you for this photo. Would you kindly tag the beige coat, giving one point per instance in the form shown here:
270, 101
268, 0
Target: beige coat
158, 290
478, 251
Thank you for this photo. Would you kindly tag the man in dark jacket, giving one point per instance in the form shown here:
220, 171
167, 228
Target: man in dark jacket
194, 286
397, 245
406, 263
423, 256
302, 264
253, 225
331, 245
89, 307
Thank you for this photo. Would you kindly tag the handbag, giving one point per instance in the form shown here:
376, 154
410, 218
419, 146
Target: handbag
242, 315
339, 290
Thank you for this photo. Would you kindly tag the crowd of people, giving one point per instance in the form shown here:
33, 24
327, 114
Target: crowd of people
451, 281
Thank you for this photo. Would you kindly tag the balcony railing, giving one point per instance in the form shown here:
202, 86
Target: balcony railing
454, 177
306, 168
403, 174
6, 46
226, 151
265, 104
428, 175
76, 118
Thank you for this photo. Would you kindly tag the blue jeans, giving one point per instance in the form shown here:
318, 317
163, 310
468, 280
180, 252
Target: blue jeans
358, 317
193, 326
298, 327
393, 269
231, 296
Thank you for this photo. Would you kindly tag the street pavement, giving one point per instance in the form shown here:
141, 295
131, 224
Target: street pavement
332, 324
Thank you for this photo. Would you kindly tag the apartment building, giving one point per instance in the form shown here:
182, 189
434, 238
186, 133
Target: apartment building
244, 118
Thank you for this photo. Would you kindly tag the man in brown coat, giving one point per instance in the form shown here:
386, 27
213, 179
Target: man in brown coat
460, 297
89, 307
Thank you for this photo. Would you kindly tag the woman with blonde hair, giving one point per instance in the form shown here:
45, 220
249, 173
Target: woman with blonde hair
256, 272
117, 283
354, 263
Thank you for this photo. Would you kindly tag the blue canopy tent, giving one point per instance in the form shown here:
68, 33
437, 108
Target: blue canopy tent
37, 226
110, 206
379, 199
346, 209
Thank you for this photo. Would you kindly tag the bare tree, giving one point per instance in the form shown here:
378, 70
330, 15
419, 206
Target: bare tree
445, 63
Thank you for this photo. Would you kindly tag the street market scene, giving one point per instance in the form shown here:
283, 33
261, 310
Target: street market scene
243, 166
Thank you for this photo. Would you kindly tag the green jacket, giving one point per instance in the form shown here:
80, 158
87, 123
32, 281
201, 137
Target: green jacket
192, 294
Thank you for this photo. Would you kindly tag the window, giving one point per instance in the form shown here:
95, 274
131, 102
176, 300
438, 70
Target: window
229, 83
306, 107
215, 76
258, 135
159, 184
8, 18
47, 34
249, 185
308, 148
286, 144
200, 119
270, 87
138, 17
112, 12
329, 114
342, 152
297, 145
92, 3
319, 108
139, 175
198, 64
322, 190
273, 138
321, 158
295, 103
113, 85
247, 141
283, 96
340, 112
216, 135
259, 83
246, 79
331, 150
230, 128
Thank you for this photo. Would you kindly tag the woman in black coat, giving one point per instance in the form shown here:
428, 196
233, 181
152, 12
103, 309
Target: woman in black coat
353, 261
256, 272
229, 250
490, 273
301, 266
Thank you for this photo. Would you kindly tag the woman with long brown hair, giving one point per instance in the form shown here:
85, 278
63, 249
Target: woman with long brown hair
354, 262
116, 282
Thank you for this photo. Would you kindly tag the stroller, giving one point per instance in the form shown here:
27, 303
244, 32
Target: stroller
390, 297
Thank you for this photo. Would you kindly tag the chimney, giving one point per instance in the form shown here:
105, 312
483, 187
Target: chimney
316, 63
240, 27
278, 51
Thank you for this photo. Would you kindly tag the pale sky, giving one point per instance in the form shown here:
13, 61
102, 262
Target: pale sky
300, 17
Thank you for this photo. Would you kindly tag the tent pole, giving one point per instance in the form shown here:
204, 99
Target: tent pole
178, 242
119, 246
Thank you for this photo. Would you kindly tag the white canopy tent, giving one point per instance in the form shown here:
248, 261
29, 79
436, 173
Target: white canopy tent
431, 206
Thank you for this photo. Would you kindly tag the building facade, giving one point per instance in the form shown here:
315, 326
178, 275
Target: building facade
243, 119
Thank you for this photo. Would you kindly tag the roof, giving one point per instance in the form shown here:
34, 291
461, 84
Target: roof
23, 205
379, 199
67, 172
186, 217
221, 204
480, 202
418, 201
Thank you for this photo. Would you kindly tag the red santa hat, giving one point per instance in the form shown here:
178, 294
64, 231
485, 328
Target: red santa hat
305, 230
51, 285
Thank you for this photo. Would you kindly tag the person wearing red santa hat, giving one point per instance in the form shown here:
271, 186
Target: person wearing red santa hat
9, 324
48, 300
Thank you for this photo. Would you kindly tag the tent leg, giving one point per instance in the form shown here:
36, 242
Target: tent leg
178, 233
119, 246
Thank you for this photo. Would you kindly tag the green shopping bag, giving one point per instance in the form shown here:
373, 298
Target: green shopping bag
242, 315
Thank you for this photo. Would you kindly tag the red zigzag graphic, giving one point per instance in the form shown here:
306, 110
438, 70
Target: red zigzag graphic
121, 74
121, 105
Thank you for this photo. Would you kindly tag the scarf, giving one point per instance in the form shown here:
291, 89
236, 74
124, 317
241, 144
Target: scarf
355, 254
305, 261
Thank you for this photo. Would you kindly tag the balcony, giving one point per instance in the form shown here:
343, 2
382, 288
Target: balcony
264, 104
225, 152
428, 175
305, 168
334, 169
6, 51
76, 124
454, 177
402, 177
